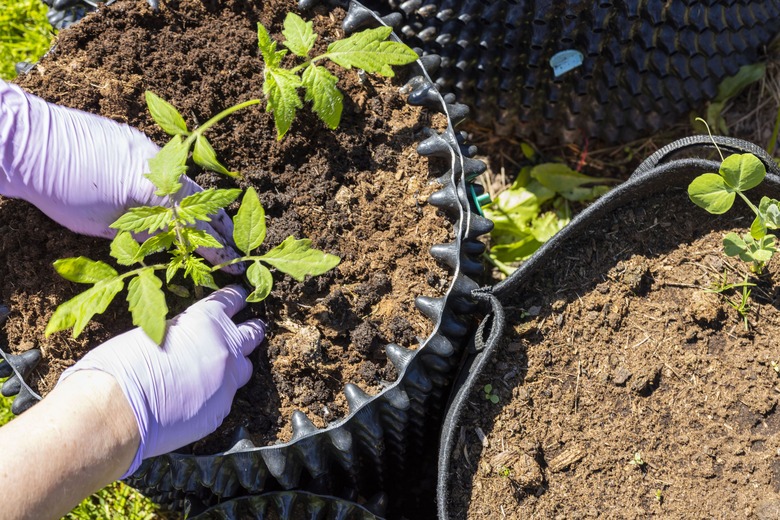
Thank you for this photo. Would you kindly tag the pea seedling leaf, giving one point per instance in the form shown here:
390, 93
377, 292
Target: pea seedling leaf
299, 34
147, 304
165, 115
168, 166
77, 311
124, 248
249, 223
200, 205
280, 87
742, 171
143, 218
711, 192
369, 51
83, 270
262, 280
327, 100
297, 258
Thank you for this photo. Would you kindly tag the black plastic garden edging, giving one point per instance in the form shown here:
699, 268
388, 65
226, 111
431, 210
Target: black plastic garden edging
614, 70
16, 367
659, 172
386, 444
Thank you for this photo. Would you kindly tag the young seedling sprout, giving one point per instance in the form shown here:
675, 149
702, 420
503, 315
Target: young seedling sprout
367, 50
716, 192
174, 229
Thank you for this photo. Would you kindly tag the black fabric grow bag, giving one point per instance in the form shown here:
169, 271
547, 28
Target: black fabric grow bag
659, 172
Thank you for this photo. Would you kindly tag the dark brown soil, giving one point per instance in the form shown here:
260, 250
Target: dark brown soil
616, 349
359, 193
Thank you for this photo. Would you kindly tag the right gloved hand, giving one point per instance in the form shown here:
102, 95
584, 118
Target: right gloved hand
182, 391
84, 171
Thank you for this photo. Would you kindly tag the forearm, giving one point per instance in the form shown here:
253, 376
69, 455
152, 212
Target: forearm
81, 437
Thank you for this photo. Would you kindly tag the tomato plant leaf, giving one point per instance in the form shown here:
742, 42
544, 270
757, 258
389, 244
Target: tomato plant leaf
261, 279
143, 218
297, 258
327, 100
199, 238
168, 166
83, 270
281, 90
267, 46
77, 311
369, 50
711, 192
299, 35
199, 272
165, 115
200, 205
156, 243
204, 156
249, 223
147, 304
125, 249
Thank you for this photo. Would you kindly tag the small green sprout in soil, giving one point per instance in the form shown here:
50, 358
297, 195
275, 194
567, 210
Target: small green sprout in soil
716, 192
638, 461
505, 472
776, 367
490, 395
174, 229
740, 302
659, 497
367, 50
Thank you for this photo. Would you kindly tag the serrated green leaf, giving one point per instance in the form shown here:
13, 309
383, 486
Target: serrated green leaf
267, 46
200, 205
281, 90
198, 238
147, 304
299, 35
168, 166
159, 242
298, 259
261, 279
124, 248
742, 171
199, 272
77, 311
369, 51
143, 218
165, 115
327, 100
83, 270
204, 156
249, 223
176, 263
710, 191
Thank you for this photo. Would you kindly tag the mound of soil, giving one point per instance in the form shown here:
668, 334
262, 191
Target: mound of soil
359, 192
627, 388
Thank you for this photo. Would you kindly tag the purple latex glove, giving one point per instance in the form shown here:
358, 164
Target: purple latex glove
84, 171
182, 391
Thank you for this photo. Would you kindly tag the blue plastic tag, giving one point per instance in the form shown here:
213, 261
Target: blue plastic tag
565, 61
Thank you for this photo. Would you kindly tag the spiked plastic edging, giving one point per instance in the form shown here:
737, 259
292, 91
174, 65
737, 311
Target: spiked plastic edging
16, 367
614, 70
371, 450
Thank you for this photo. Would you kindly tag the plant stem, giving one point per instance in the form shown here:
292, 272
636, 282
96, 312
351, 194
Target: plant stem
747, 201
217, 118
248, 258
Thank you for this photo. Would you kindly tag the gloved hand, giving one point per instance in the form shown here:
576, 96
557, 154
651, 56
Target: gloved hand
84, 171
182, 391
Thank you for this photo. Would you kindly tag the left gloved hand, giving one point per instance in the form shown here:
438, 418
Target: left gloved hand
84, 171
181, 391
